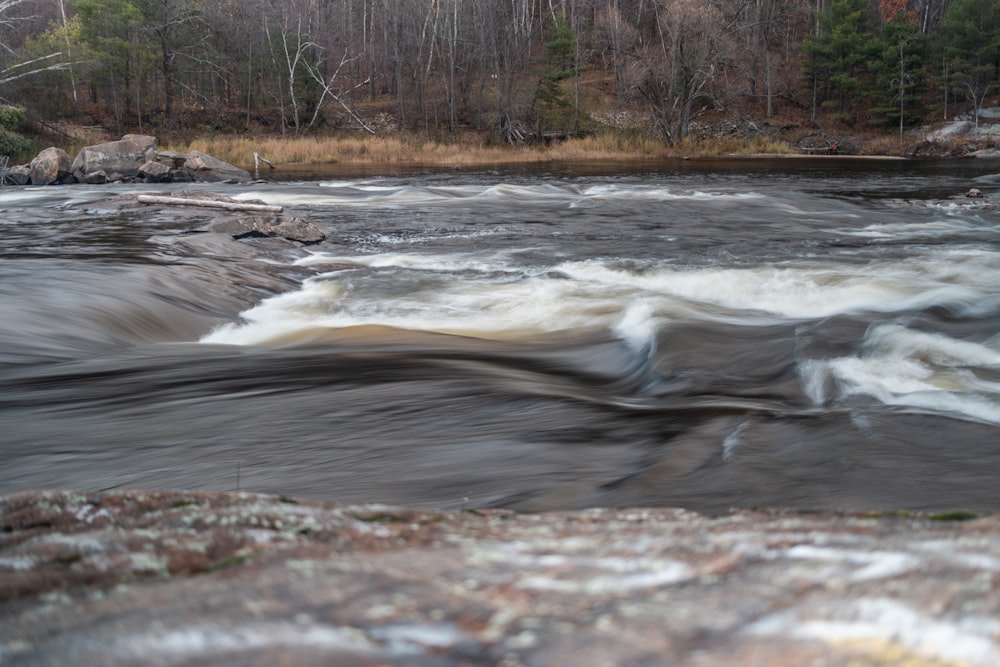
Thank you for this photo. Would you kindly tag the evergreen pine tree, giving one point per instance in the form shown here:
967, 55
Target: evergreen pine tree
970, 42
836, 59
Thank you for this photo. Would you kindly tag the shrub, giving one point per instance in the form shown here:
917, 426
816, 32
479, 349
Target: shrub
14, 145
12, 118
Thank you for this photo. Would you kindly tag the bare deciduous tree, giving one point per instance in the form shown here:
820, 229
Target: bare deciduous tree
676, 72
10, 18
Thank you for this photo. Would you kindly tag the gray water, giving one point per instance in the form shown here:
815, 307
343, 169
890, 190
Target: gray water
800, 333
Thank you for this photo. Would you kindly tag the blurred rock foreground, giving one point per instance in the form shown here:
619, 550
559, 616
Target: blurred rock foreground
132, 578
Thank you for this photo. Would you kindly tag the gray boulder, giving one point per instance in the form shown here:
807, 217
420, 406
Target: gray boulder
154, 172
98, 177
173, 159
51, 166
957, 129
293, 229
123, 157
208, 169
19, 175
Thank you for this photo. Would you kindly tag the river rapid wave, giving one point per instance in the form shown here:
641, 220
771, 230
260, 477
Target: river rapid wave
819, 336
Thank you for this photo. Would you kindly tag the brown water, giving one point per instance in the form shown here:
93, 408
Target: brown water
819, 333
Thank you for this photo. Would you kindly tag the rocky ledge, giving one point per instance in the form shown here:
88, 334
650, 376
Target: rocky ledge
238, 218
167, 578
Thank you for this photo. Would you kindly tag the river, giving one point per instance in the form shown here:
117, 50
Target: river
808, 333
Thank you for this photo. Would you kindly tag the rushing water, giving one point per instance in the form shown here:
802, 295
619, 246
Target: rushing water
817, 333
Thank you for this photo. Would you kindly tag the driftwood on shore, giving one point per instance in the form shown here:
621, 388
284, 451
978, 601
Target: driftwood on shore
208, 203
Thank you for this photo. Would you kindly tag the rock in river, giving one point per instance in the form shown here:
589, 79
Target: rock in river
269, 226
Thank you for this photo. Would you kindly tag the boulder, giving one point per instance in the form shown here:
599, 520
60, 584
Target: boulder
297, 229
98, 177
208, 169
51, 166
173, 159
293, 229
986, 153
123, 157
957, 129
19, 175
154, 172
988, 131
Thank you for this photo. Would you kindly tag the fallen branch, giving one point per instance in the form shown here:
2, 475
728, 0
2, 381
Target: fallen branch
208, 203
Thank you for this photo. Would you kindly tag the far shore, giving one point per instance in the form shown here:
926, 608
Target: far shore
592, 165
407, 152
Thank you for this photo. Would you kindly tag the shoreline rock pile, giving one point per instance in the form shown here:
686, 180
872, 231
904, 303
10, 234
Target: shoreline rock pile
133, 158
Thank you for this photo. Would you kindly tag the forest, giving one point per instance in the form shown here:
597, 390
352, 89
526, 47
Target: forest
509, 70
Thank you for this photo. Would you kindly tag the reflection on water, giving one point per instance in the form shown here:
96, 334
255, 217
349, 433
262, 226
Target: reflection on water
811, 333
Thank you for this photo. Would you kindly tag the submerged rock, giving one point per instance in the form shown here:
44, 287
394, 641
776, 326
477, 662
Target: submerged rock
293, 229
131, 578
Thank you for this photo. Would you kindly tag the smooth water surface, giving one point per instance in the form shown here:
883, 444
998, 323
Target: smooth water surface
809, 333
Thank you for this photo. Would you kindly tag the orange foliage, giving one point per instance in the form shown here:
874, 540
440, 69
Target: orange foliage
890, 10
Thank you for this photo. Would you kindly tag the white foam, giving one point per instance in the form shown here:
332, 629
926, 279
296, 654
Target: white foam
807, 291
907, 231
347, 193
733, 440
492, 296
660, 193
501, 308
902, 367
423, 262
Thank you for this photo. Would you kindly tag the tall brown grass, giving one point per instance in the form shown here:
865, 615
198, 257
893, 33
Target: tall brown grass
891, 145
463, 152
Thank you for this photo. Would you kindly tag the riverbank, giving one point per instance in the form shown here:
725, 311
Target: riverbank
466, 152
722, 136
412, 152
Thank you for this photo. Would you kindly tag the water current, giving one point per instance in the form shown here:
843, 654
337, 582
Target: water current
816, 333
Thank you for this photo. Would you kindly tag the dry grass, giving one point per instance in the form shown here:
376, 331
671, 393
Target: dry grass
881, 145
463, 151
758, 145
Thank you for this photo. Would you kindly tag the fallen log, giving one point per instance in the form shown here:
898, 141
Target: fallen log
208, 203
